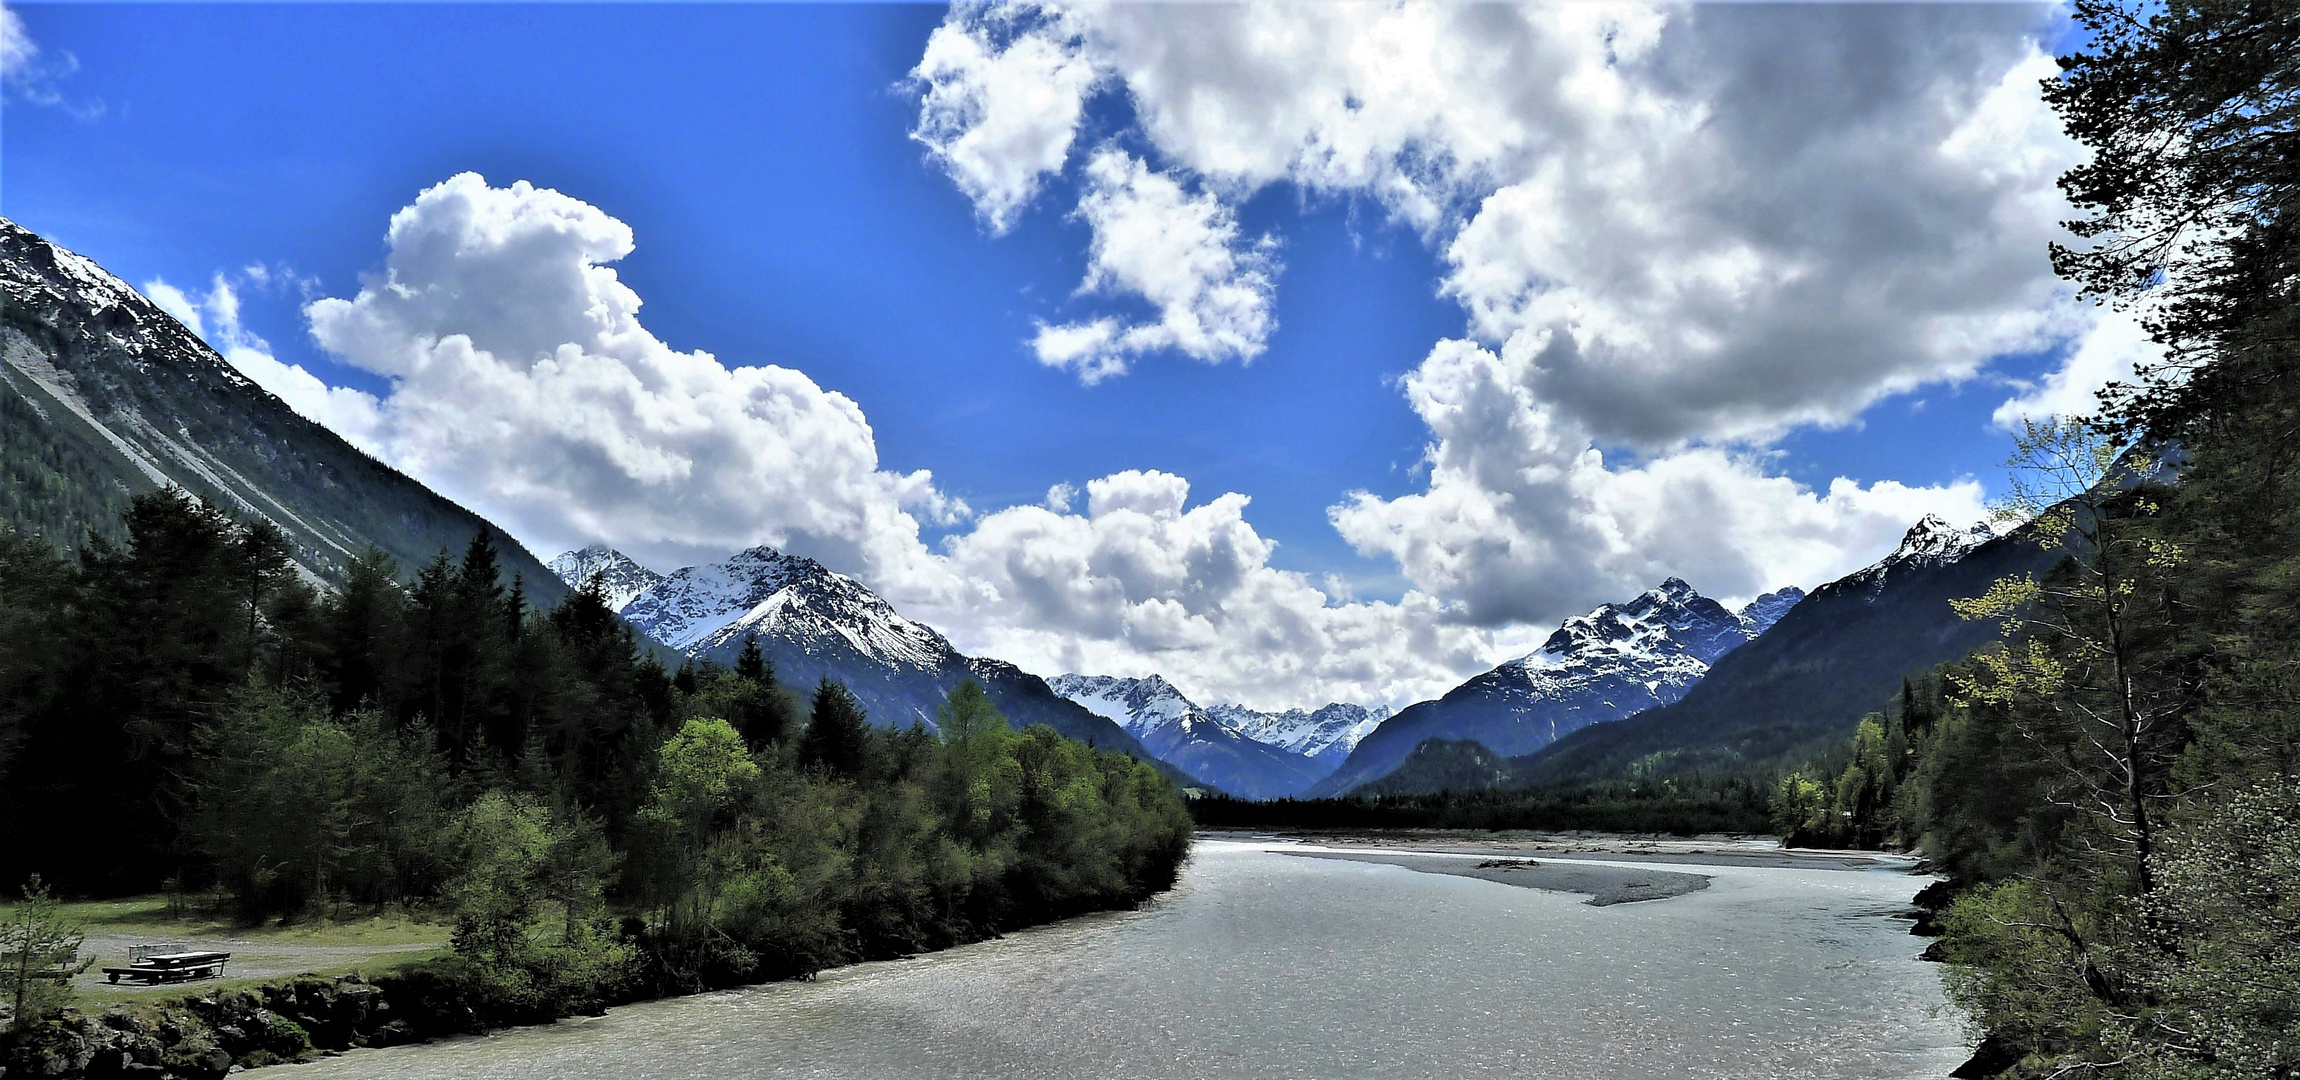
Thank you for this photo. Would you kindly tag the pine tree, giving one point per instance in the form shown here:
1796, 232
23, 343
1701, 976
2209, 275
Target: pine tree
39, 955
763, 713
837, 738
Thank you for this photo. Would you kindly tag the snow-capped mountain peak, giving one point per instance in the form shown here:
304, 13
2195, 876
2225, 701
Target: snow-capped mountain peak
1613, 662
700, 608
1760, 614
1252, 754
1934, 539
619, 577
1930, 542
1141, 706
1329, 732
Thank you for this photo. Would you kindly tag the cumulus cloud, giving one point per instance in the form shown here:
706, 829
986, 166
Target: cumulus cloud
1524, 520
2112, 349
215, 317
1002, 90
1676, 234
1179, 251
525, 385
1724, 221
1144, 582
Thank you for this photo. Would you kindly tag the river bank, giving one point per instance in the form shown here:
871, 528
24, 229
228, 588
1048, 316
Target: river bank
1262, 964
1378, 956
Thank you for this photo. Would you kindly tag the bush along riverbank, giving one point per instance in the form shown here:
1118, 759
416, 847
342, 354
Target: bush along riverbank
184, 712
1055, 828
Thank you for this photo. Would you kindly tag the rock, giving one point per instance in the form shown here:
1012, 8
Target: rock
1990, 1058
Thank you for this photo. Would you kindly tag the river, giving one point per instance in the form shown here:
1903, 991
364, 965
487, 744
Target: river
1265, 965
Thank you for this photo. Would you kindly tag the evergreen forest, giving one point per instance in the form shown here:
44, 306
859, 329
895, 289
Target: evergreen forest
182, 712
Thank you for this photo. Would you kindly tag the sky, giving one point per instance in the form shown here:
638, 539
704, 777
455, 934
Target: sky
1297, 353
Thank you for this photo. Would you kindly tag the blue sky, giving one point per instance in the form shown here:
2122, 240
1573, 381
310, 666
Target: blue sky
763, 158
761, 153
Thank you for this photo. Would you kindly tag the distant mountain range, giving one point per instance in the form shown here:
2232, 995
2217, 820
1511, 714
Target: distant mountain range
1613, 662
1839, 654
1325, 735
814, 624
1250, 754
104, 396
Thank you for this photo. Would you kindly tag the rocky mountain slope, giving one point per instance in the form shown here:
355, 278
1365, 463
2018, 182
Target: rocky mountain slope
104, 396
1614, 662
814, 624
1839, 654
1198, 741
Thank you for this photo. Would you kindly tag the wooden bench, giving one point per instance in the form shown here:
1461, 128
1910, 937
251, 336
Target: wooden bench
170, 967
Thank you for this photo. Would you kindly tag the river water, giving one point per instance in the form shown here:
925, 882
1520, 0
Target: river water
1267, 966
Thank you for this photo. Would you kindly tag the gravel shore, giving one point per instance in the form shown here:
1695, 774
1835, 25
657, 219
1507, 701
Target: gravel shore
1604, 885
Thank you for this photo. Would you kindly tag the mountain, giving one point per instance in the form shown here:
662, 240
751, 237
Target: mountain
1443, 765
104, 396
1836, 656
813, 624
1192, 739
1616, 661
1325, 735
621, 579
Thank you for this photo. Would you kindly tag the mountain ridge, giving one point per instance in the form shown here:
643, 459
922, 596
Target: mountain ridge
1192, 738
812, 623
106, 396
1613, 662
1836, 656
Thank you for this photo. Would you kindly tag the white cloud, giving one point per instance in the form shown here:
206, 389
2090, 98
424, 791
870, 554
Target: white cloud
215, 317
1002, 91
524, 385
1525, 521
31, 75
17, 50
2112, 349
1680, 231
1143, 582
1183, 254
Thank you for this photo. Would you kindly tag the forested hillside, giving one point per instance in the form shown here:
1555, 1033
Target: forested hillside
185, 712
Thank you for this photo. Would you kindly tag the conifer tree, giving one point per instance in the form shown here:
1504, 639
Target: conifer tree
39, 955
837, 735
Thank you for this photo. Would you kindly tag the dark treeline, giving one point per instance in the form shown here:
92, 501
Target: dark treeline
1685, 804
182, 711
2114, 790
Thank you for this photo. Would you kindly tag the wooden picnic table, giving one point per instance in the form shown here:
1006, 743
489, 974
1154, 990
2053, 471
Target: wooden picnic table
171, 967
